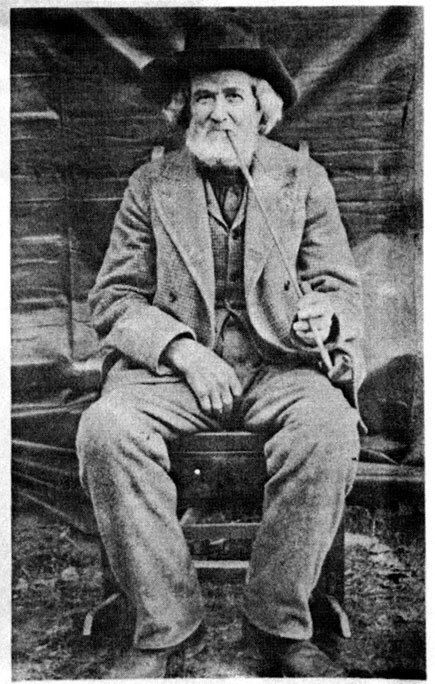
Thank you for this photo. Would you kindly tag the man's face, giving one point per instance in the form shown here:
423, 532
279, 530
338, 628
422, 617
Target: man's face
222, 101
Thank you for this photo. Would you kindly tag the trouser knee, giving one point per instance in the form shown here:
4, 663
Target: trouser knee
323, 445
111, 433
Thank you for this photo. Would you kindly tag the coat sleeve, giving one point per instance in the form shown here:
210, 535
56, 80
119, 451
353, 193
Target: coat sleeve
325, 260
121, 300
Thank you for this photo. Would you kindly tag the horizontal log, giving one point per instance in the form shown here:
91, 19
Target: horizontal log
37, 157
34, 93
101, 97
359, 187
383, 162
47, 247
82, 189
34, 188
40, 277
39, 334
383, 94
32, 304
340, 132
38, 219
55, 316
31, 425
117, 130
44, 344
105, 160
33, 125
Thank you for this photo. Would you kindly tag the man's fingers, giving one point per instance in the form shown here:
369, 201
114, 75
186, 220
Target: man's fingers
315, 311
204, 402
216, 401
235, 386
227, 400
308, 326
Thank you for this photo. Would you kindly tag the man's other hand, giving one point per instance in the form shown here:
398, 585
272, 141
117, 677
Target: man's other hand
211, 379
314, 310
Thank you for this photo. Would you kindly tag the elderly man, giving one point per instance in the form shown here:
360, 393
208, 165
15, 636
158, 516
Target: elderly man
205, 329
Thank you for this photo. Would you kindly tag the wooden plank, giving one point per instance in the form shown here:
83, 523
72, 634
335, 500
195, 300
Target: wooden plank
379, 485
221, 570
230, 531
219, 442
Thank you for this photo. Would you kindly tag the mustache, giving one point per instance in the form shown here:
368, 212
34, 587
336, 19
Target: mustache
218, 151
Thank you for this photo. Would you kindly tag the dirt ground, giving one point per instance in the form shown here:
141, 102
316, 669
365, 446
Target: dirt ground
57, 578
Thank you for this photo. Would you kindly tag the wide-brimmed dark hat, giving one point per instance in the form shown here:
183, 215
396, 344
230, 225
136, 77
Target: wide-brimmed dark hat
212, 44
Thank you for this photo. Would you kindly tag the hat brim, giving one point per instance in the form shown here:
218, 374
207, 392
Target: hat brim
258, 62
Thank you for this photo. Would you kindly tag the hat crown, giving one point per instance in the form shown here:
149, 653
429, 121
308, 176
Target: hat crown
215, 33
218, 41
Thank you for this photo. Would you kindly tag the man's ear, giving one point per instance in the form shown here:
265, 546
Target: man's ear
262, 125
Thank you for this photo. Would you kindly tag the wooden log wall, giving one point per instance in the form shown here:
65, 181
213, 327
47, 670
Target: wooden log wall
81, 125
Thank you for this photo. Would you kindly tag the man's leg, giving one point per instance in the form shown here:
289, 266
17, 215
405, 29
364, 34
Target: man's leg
124, 467
311, 463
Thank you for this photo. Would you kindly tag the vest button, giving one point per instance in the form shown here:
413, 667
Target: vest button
172, 296
236, 233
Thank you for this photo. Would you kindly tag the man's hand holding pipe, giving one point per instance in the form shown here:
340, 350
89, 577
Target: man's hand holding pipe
314, 310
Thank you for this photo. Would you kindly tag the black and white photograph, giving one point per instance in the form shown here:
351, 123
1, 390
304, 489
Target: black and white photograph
216, 341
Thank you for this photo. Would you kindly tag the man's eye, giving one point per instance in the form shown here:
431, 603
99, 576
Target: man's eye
204, 99
234, 97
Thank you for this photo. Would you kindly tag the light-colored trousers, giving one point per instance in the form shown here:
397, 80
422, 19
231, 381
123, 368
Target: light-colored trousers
311, 463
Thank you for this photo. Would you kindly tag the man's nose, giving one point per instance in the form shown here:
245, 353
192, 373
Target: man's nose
219, 112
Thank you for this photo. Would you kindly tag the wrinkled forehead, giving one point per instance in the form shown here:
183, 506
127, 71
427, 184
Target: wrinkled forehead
222, 79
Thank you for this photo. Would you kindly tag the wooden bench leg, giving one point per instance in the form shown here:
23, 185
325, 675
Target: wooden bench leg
329, 617
113, 617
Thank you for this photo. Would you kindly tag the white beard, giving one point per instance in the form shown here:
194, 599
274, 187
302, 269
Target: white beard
214, 149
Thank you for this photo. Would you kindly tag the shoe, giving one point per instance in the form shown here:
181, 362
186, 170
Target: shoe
289, 657
138, 664
305, 659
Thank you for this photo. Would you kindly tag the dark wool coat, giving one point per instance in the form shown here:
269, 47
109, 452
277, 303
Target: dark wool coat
157, 278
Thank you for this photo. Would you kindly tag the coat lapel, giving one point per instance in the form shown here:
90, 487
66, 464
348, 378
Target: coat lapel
180, 202
278, 191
